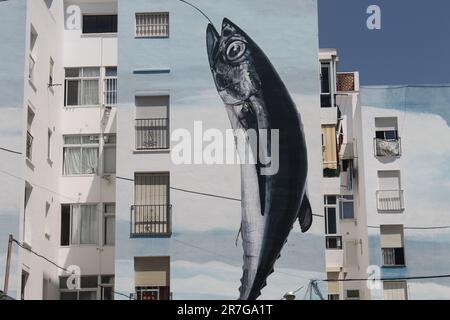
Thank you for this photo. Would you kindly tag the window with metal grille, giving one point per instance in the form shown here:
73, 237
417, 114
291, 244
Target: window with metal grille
152, 25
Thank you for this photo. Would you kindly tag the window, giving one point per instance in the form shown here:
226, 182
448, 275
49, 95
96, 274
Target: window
387, 141
31, 68
32, 54
82, 87
79, 225
152, 278
51, 72
395, 290
330, 214
26, 213
329, 151
333, 242
81, 154
151, 213
109, 154
152, 25
352, 294
48, 3
392, 245
110, 87
49, 144
109, 214
325, 83
346, 209
100, 23
91, 287
23, 284
152, 122
389, 194
333, 297
30, 138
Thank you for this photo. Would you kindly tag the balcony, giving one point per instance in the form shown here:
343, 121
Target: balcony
387, 147
152, 134
151, 221
29, 151
390, 200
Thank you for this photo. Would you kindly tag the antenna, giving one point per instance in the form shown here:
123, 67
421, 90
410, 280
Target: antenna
190, 4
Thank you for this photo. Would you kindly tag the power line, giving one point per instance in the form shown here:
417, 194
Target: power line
10, 151
191, 191
389, 279
38, 186
40, 256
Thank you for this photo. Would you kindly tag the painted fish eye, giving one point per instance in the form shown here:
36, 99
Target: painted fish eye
236, 50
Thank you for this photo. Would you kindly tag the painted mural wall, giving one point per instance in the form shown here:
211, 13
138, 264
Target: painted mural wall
423, 120
205, 249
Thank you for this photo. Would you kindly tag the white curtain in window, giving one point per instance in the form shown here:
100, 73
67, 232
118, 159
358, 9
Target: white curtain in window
90, 160
75, 224
72, 161
90, 92
89, 225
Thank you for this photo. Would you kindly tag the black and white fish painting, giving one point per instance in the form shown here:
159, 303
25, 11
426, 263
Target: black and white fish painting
256, 99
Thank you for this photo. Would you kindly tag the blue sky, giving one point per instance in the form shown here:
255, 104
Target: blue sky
411, 47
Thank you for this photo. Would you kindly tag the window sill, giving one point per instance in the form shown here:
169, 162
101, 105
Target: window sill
80, 107
395, 267
99, 35
151, 37
151, 151
81, 176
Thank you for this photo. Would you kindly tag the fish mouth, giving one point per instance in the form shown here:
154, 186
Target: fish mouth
212, 44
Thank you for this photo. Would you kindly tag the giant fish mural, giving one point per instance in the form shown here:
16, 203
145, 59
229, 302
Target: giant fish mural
257, 100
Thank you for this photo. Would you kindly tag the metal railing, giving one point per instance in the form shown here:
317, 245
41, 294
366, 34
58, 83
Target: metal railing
152, 134
110, 91
387, 147
390, 200
29, 151
151, 221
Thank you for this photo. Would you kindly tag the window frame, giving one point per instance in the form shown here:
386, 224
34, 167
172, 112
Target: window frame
334, 206
81, 146
147, 36
105, 216
108, 145
342, 200
80, 79
97, 32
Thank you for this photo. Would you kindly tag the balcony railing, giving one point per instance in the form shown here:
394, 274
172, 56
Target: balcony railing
151, 221
29, 150
390, 200
152, 134
110, 94
387, 147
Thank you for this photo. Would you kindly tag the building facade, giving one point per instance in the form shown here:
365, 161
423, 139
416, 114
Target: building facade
177, 224
347, 253
405, 148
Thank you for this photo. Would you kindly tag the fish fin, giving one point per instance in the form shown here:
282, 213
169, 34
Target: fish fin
305, 216
237, 237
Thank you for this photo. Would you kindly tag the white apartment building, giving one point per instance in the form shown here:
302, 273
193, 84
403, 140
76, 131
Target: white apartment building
347, 253
70, 98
